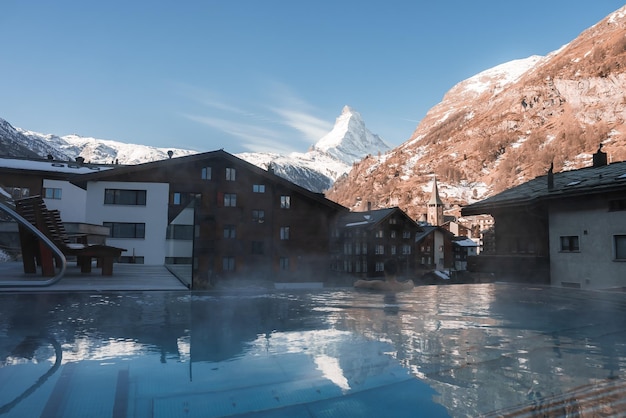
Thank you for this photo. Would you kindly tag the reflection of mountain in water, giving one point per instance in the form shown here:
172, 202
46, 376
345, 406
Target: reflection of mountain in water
480, 347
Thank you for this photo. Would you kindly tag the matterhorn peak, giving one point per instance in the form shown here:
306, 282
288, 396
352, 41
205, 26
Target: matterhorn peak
349, 140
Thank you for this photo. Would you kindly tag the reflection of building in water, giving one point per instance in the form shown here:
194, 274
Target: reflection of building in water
102, 327
458, 338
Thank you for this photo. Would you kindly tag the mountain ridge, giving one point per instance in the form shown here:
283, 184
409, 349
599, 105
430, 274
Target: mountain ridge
317, 169
500, 128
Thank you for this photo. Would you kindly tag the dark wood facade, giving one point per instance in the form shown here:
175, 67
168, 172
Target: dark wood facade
248, 222
363, 241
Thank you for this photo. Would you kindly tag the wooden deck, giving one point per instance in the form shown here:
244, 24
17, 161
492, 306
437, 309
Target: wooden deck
126, 277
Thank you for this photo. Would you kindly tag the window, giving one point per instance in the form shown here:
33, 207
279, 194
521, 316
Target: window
230, 200
182, 232
393, 221
228, 263
364, 248
258, 188
380, 266
284, 263
392, 234
380, 233
51, 193
126, 229
393, 250
285, 202
18, 192
347, 248
569, 243
258, 215
205, 173
406, 249
124, 197
406, 234
380, 249
178, 198
284, 232
620, 247
231, 174
230, 231
257, 247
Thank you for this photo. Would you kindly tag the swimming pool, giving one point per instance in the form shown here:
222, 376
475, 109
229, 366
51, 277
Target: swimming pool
458, 350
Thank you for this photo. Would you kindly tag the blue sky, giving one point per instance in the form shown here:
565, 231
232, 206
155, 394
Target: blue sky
258, 75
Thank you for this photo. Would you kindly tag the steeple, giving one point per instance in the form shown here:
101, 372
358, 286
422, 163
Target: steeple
435, 206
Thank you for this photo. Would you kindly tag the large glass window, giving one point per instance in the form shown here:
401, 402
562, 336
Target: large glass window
284, 232
124, 197
231, 174
205, 173
285, 202
258, 188
380, 249
181, 232
126, 229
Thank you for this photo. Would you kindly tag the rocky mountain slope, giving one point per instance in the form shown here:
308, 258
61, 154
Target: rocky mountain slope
505, 126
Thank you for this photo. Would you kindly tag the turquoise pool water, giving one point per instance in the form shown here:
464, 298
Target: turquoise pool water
460, 350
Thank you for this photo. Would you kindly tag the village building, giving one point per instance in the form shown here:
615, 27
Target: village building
565, 229
224, 216
220, 215
363, 241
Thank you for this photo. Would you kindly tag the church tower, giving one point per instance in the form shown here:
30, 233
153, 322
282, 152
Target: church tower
435, 206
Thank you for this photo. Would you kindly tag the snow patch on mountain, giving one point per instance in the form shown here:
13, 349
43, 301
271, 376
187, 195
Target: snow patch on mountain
103, 151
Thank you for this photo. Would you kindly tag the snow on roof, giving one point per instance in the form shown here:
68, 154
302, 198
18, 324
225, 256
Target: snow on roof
357, 223
465, 243
50, 165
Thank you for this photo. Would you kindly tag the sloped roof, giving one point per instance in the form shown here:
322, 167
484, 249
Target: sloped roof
371, 218
82, 180
50, 166
585, 181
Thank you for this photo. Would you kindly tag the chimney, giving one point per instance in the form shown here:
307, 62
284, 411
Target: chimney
551, 177
599, 158
170, 153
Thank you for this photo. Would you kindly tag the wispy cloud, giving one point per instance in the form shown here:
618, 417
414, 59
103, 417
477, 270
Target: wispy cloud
255, 138
279, 122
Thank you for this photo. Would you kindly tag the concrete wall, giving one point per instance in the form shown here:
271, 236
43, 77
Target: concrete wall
72, 202
593, 266
153, 214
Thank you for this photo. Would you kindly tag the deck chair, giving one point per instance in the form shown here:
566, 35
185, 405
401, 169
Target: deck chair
49, 223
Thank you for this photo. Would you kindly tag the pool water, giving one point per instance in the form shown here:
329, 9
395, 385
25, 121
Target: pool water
458, 350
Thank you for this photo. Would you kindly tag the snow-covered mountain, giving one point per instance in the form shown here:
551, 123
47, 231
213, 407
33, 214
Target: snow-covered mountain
317, 169
506, 125
98, 151
349, 140
331, 157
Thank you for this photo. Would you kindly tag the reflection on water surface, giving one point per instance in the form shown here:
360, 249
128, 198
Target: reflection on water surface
441, 350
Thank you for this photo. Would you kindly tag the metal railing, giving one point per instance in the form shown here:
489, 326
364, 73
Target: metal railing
47, 242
